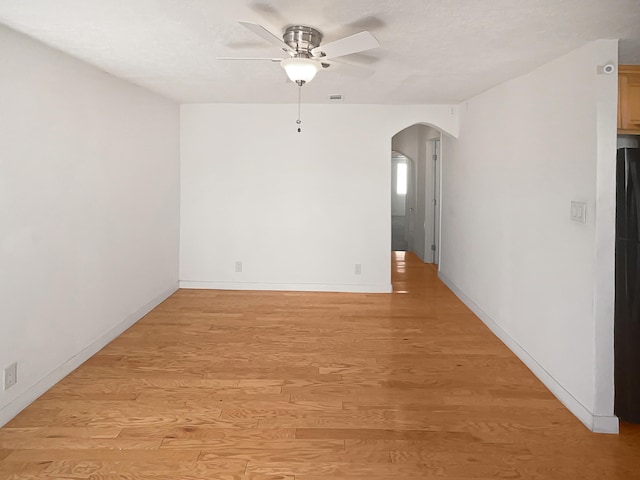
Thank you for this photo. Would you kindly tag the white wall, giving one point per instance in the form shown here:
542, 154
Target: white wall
299, 210
544, 284
89, 206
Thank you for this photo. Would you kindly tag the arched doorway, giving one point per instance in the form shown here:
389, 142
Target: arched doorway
420, 144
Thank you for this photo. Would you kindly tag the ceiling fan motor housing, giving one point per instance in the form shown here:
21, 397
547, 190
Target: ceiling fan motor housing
302, 39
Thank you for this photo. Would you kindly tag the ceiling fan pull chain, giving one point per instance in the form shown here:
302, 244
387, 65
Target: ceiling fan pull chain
298, 121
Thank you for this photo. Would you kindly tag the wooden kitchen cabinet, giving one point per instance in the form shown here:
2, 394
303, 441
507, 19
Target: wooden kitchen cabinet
629, 99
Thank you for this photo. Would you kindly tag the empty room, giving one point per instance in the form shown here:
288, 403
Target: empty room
285, 240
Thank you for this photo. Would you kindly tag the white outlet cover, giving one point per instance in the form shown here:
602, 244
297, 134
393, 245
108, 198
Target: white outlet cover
10, 376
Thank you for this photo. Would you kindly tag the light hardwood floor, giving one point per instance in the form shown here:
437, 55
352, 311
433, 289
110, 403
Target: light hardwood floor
307, 386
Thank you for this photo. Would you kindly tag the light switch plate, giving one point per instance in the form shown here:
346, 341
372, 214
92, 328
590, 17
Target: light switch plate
579, 211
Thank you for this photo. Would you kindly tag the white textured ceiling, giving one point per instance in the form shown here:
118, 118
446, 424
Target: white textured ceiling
432, 51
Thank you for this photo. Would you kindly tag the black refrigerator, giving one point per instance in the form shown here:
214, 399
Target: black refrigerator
627, 302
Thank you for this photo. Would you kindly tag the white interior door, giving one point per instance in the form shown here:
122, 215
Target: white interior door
432, 201
435, 248
411, 203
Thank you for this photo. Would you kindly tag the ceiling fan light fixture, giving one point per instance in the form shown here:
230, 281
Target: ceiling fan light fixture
300, 70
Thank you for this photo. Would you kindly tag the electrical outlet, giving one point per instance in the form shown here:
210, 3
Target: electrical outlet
238, 267
10, 376
357, 269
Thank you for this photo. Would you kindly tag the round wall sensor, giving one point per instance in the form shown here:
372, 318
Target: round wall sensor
609, 68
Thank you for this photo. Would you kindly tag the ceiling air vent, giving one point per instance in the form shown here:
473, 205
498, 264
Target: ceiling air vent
336, 97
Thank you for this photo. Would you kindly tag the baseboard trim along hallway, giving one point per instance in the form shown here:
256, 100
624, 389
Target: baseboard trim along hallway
595, 423
58, 373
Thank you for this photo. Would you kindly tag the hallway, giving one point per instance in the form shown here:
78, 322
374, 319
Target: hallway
309, 386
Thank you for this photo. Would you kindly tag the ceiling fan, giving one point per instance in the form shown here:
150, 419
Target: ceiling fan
305, 54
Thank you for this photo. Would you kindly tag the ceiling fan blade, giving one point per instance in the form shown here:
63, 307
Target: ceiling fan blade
353, 44
267, 35
350, 68
275, 60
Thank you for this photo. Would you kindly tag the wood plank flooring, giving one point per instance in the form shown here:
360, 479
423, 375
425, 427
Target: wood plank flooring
223, 385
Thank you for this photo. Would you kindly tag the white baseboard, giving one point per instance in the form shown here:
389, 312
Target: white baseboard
14, 407
604, 424
595, 423
290, 287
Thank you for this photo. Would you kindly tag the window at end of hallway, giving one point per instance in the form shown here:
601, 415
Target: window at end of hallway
401, 178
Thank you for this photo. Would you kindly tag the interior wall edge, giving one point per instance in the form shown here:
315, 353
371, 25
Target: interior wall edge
595, 423
34, 391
